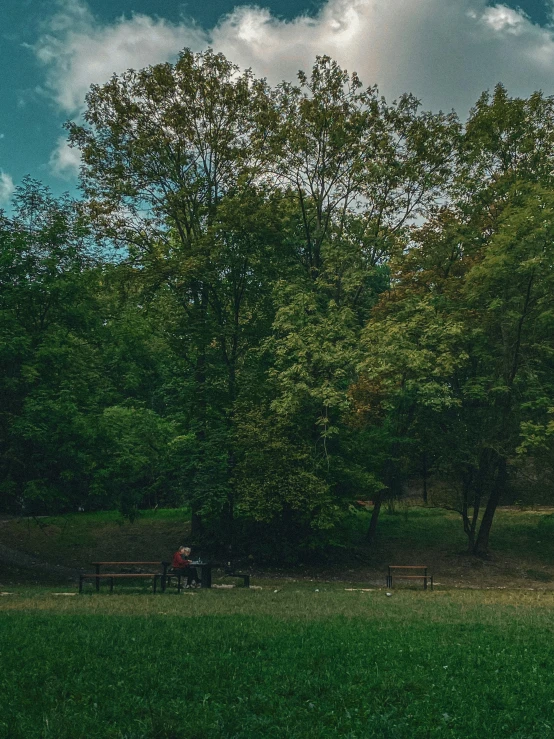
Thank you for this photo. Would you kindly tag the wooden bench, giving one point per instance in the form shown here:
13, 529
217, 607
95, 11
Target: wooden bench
97, 565
112, 575
230, 572
421, 576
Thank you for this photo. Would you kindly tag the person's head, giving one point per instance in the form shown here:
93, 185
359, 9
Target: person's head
184, 550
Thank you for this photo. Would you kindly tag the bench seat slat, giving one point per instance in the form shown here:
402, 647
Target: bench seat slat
123, 574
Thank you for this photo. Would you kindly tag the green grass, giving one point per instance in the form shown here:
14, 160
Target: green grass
296, 664
79, 538
101, 517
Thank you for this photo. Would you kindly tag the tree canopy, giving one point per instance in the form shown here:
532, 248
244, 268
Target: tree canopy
270, 303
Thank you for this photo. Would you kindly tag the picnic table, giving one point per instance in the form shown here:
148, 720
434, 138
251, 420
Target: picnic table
97, 565
164, 576
111, 576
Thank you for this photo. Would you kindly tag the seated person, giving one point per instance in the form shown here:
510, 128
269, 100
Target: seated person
181, 565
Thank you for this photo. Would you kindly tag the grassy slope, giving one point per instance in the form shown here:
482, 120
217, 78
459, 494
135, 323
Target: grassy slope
295, 664
76, 540
522, 556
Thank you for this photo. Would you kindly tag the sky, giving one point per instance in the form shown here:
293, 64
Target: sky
446, 52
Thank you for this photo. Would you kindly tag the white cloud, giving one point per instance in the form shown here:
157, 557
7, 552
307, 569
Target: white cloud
444, 51
7, 187
78, 50
501, 18
64, 160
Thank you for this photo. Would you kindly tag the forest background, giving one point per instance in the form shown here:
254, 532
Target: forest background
273, 302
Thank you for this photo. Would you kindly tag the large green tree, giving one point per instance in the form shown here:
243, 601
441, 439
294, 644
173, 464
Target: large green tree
465, 323
51, 370
172, 157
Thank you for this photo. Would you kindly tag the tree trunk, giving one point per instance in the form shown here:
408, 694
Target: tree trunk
372, 530
469, 524
228, 520
393, 486
228, 517
482, 543
196, 525
425, 477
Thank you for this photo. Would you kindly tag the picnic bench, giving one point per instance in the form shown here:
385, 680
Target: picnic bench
165, 574
98, 576
397, 571
231, 572
116, 575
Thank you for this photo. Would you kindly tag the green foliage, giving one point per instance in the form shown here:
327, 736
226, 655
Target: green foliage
51, 377
272, 302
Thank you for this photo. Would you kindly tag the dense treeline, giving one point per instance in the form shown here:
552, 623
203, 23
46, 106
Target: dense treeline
273, 302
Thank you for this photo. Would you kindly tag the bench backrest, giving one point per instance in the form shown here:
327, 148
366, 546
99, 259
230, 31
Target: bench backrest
424, 568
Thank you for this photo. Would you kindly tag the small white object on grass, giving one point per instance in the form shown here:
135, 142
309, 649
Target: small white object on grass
317, 590
359, 590
389, 593
275, 591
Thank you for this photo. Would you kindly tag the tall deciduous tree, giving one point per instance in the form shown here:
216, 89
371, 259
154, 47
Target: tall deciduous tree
481, 270
358, 172
50, 376
172, 158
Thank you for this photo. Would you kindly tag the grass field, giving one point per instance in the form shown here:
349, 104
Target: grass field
295, 663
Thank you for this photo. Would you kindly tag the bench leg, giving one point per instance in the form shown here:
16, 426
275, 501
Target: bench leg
246, 581
206, 576
155, 583
179, 584
431, 582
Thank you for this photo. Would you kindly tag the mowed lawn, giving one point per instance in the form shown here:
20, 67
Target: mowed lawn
292, 663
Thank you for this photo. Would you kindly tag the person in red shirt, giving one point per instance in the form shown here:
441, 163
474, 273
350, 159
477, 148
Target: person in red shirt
182, 566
